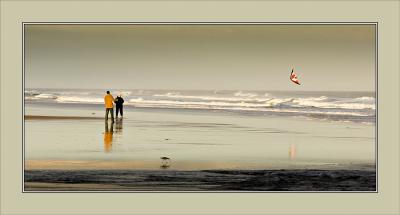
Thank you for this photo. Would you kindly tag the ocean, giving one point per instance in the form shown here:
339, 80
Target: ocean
357, 107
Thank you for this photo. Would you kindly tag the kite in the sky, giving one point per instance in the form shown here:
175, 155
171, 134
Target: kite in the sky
293, 77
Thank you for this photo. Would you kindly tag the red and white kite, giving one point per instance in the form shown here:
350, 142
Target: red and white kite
293, 77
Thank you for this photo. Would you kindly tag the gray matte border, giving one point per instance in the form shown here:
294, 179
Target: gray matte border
199, 23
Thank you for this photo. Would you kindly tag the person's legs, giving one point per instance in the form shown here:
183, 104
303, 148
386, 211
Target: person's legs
107, 114
112, 114
116, 112
121, 111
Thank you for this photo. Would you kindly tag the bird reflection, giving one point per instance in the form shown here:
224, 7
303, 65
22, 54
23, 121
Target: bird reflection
108, 136
165, 164
292, 152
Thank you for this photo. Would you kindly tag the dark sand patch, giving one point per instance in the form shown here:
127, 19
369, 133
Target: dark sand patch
206, 180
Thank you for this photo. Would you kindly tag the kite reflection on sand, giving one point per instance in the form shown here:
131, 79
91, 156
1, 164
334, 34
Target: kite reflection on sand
292, 152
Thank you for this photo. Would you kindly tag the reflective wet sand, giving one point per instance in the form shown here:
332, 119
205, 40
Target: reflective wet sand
194, 141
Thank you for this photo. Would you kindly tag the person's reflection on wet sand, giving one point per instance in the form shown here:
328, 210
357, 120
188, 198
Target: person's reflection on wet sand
292, 152
108, 137
118, 125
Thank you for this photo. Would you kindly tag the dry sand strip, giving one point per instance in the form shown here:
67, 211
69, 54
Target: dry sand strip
207, 180
35, 117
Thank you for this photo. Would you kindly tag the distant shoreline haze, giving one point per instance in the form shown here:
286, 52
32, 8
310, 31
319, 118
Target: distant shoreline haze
160, 89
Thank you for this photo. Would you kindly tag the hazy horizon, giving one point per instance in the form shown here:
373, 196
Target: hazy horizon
116, 89
200, 57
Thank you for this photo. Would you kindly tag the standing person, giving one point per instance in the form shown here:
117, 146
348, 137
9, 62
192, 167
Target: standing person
119, 105
108, 101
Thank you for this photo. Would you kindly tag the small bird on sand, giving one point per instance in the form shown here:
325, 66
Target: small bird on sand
165, 158
165, 162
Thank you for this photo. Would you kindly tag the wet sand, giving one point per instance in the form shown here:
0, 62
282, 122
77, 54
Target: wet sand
33, 117
208, 153
206, 180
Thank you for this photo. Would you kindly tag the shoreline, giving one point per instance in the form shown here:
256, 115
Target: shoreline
41, 117
183, 165
297, 180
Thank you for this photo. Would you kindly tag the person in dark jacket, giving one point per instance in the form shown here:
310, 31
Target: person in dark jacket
119, 105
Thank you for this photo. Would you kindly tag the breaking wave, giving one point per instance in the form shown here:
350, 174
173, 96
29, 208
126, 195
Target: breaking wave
238, 101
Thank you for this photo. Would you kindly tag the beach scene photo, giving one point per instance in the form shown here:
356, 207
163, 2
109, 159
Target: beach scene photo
200, 107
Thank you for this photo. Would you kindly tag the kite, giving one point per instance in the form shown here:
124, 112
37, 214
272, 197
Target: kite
293, 78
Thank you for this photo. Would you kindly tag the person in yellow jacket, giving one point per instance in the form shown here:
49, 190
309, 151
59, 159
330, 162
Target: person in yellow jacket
108, 101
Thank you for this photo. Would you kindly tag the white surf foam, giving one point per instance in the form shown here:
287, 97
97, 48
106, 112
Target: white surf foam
245, 94
323, 102
362, 106
77, 99
45, 96
209, 98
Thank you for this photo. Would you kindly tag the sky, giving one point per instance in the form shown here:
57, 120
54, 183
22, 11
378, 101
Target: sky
201, 57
